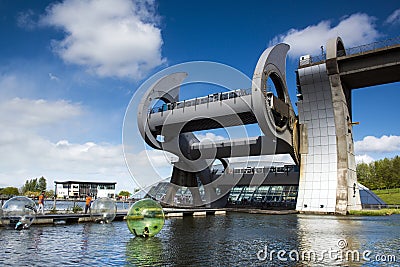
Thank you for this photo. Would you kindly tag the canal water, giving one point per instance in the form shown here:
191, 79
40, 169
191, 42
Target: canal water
235, 239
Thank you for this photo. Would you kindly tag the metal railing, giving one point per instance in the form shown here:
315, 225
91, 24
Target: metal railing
372, 46
353, 50
380, 206
201, 100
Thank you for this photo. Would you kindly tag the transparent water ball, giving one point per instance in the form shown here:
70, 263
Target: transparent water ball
103, 210
145, 218
18, 212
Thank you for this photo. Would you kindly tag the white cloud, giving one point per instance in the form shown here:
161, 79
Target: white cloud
149, 166
116, 38
27, 113
51, 138
372, 144
364, 159
394, 18
27, 20
158, 158
53, 77
26, 153
354, 30
12, 84
209, 137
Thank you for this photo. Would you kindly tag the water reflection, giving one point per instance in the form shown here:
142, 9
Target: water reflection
325, 241
349, 241
84, 243
193, 237
144, 251
18, 245
231, 240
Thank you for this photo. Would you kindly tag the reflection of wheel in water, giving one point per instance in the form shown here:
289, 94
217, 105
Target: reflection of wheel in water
145, 218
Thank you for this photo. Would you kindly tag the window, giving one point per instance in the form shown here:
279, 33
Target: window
110, 187
259, 170
247, 195
224, 96
249, 170
235, 193
264, 195
260, 194
232, 95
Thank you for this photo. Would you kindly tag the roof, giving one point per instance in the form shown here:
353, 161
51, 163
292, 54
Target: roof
368, 197
83, 182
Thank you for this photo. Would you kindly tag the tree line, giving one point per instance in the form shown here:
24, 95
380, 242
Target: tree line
380, 174
32, 187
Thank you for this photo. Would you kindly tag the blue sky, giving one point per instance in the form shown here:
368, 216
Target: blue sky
69, 69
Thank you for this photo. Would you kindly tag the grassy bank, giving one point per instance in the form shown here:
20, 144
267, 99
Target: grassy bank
390, 196
381, 212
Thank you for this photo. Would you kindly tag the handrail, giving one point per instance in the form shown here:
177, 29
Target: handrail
355, 50
216, 97
372, 46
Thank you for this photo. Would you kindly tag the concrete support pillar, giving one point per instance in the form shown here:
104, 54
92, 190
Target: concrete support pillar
170, 195
348, 195
196, 196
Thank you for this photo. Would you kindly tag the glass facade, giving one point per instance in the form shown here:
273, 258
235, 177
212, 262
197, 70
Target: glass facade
270, 194
263, 196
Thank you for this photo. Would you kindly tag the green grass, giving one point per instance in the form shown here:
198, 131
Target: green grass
381, 212
390, 196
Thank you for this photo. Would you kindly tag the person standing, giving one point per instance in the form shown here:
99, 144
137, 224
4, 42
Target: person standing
88, 203
41, 203
146, 232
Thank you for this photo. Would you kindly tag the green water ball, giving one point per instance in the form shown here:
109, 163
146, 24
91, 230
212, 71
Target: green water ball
103, 210
18, 212
145, 218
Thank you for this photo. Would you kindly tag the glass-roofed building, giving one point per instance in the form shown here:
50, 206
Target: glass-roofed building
278, 190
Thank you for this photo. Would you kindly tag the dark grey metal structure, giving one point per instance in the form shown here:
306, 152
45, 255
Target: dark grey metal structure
176, 121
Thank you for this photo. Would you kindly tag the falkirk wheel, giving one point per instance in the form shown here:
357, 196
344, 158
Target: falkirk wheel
327, 181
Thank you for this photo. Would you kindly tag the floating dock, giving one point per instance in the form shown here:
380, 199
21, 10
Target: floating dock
69, 218
179, 212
